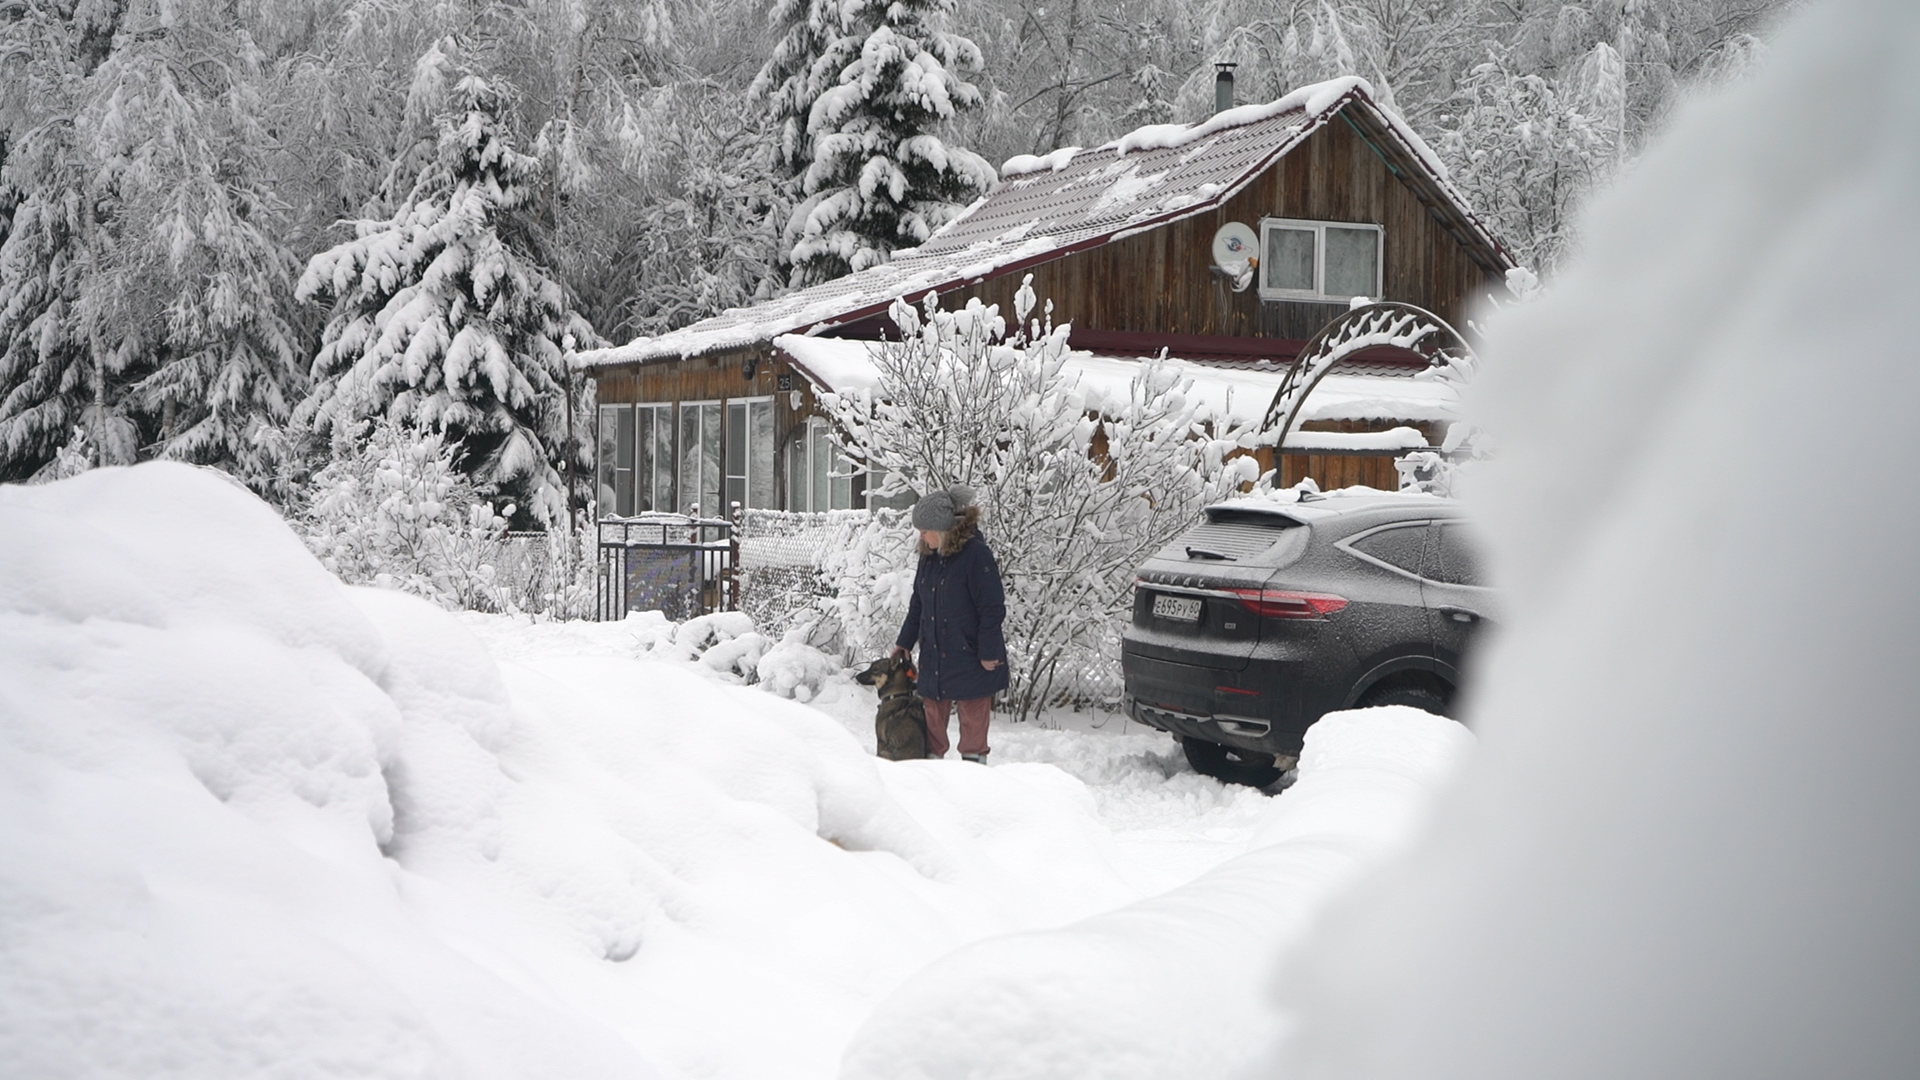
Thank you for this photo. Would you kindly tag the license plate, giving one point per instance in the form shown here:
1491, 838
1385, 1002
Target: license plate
1177, 608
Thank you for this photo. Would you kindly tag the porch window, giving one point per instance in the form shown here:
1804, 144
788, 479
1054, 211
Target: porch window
635, 458
700, 459
819, 475
749, 454
1319, 260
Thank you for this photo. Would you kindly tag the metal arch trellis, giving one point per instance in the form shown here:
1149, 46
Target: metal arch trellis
1385, 323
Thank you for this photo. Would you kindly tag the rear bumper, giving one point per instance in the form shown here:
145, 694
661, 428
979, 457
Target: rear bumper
1259, 708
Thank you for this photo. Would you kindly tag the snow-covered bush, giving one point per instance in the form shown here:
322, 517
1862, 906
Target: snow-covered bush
1077, 487
794, 669
393, 509
725, 641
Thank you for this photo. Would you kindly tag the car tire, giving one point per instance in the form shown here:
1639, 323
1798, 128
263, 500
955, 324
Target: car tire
1423, 698
1230, 763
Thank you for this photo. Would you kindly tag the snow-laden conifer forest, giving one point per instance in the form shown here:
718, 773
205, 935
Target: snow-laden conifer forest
242, 234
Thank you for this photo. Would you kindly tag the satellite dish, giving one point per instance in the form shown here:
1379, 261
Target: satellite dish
1236, 251
1234, 245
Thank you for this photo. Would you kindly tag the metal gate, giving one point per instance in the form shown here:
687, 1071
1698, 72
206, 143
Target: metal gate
681, 566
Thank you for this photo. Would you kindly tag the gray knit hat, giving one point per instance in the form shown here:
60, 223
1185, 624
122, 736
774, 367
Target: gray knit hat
940, 510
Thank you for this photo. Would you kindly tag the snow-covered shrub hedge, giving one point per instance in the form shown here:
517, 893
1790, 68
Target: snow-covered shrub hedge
1077, 486
394, 509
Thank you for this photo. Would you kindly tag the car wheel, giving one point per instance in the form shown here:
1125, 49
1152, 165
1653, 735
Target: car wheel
1230, 763
1420, 697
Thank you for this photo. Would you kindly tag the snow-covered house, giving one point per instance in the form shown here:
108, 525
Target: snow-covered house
1227, 243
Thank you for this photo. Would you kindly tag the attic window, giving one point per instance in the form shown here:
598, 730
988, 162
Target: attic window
1318, 260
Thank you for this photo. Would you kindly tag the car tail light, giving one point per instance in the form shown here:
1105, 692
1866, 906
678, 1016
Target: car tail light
1286, 604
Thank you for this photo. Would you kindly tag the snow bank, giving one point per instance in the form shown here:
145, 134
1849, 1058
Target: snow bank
255, 822
1686, 846
207, 744
1172, 985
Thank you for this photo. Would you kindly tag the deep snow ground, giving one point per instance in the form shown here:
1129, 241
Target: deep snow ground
1168, 823
256, 822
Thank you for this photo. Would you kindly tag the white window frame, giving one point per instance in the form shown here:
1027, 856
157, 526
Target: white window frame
686, 501
1318, 293
743, 470
659, 498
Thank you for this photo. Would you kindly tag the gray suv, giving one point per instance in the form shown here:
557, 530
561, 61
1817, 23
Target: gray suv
1267, 615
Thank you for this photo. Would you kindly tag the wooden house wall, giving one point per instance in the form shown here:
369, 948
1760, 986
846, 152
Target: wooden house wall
1163, 281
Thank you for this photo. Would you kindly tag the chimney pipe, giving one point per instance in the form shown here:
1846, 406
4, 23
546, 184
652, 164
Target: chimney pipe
1223, 85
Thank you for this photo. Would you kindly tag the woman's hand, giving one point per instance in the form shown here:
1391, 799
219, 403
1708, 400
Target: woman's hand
989, 664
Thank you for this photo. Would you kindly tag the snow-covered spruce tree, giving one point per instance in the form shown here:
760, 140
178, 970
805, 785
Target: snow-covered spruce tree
200, 205
148, 287
814, 47
66, 341
444, 324
1077, 486
881, 177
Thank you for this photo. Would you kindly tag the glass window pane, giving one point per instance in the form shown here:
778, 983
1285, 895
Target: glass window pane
1404, 547
689, 457
663, 459
736, 440
1353, 256
822, 461
623, 462
642, 459
623, 446
609, 424
797, 471
842, 481
710, 502
1459, 558
760, 454
1289, 263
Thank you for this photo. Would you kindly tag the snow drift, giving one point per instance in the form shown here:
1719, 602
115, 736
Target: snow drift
1171, 985
1686, 845
255, 822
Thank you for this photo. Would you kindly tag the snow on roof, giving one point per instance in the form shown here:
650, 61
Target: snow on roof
1045, 206
1238, 394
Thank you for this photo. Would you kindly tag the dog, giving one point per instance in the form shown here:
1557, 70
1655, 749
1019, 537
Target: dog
900, 725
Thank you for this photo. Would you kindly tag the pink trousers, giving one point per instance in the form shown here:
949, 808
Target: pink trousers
973, 724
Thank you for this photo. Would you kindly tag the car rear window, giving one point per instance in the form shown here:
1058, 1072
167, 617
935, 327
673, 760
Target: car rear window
1231, 536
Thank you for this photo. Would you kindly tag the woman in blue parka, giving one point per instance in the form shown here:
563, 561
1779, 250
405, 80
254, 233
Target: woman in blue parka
955, 617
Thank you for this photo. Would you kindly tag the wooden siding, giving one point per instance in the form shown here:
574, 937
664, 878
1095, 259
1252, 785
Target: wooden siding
1163, 281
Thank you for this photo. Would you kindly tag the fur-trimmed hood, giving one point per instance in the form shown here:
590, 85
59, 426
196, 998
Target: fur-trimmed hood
957, 537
